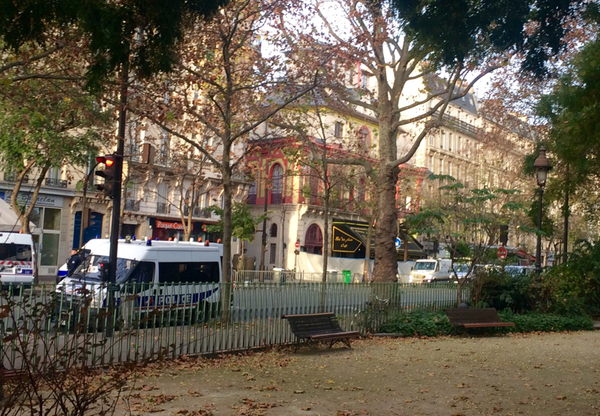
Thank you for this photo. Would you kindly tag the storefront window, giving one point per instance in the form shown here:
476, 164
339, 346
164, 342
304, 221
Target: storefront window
51, 219
50, 250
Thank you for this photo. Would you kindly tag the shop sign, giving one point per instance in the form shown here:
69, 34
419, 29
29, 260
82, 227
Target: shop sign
24, 198
344, 242
169, 225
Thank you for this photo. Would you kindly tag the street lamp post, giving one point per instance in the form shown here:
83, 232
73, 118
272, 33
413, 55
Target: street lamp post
542, 167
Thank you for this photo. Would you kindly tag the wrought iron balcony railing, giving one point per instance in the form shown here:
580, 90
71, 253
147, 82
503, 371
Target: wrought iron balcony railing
57, 183
132, 205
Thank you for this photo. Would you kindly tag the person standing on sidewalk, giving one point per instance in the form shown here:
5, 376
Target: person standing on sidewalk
73, 262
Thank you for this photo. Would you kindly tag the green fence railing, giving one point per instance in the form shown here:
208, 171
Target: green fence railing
151, 321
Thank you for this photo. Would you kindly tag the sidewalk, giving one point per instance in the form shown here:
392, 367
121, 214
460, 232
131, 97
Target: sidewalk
541, 374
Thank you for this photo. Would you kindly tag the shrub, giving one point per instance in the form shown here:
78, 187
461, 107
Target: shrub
419, 323
545, 322
572, 288
431, 324
494, 289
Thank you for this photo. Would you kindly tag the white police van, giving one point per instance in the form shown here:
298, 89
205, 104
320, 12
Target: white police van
151, 275
84, 252
17, 259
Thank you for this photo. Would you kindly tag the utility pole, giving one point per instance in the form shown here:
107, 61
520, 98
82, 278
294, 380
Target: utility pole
116, 213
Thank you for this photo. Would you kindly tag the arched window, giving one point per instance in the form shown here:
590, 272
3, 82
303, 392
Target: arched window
273, 230
276, 184
313, 240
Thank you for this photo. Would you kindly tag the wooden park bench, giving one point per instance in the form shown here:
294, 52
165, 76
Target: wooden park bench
314, 328
475, 318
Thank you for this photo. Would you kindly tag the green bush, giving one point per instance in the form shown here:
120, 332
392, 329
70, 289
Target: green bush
431, 324
419, 323
545, 322
494, 289
572, 288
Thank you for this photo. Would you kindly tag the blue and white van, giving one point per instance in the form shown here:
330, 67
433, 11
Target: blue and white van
151, 275
17, 259
84, 253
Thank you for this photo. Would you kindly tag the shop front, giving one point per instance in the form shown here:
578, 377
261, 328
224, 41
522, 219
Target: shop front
47, 215
349, 240
167, 229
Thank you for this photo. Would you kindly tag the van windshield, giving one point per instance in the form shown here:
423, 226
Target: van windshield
15, 252
426, 265
89, 268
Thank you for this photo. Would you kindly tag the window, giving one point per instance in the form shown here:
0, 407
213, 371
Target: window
441, 171
363, 138
164, 148
458, 144
364, 81
450, 168
442, 139
189, 272
272, 253
313, 183
361, 190
54, 173
430, 165
51, 219
449, 142
313, 241
142, 275
15, 252
276, 184
273, 232
252, 194
338, 128
431, 140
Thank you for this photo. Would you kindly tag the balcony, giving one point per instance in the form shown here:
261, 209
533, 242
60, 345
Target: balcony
162, 208
459, 126
132, 205
56, 183
202, 212
12, 177
198, 212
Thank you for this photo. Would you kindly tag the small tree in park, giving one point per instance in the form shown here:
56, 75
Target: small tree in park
468, 221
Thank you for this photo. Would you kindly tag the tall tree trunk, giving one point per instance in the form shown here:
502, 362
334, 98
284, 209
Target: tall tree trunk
385, 268
227, 230
367, 265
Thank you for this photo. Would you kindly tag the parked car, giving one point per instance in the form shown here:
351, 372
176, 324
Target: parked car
460, 271
519, 270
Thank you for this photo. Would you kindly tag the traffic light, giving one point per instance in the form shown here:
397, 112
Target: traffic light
109, 175
103, 267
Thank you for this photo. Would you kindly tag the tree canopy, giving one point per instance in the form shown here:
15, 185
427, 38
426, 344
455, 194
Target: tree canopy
460, 30
143, 31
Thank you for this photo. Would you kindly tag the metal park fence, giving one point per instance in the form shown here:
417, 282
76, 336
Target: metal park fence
76, 326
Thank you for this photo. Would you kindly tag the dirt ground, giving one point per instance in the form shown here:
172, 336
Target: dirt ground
533, 374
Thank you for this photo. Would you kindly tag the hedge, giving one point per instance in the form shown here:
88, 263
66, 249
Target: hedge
431, 324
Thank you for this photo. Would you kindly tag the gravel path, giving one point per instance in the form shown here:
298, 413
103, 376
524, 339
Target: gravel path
532, 374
